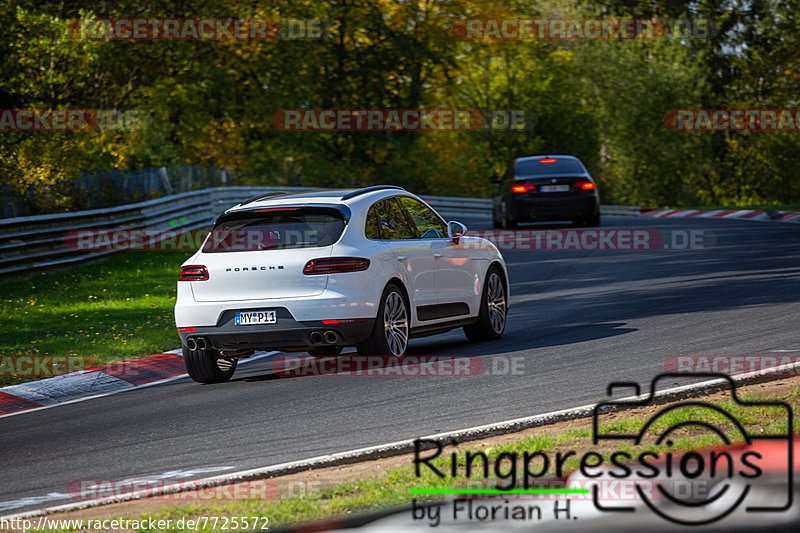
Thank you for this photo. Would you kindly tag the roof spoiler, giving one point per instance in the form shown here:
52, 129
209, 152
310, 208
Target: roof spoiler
261, 197
365, 190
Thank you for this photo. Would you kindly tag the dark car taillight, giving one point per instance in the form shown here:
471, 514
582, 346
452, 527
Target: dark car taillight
584, 185
193, 273
335, 265
522, 188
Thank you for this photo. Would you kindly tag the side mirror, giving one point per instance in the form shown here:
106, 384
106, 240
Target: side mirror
494, 178
456, 230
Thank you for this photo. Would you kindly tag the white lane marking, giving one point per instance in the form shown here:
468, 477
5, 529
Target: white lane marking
126, 389
33, 500
54, 496
784, 351
509, 426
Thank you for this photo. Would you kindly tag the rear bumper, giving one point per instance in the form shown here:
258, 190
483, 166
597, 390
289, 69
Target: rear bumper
286, 334
546, 208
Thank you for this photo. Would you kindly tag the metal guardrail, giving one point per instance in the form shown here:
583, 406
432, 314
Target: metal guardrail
37, 242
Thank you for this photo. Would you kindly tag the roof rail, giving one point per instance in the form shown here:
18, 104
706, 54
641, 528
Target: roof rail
261, 197
370, 189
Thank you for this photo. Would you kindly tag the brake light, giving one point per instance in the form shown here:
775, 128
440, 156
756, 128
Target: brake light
548, 160
187, 330
585, 185
522, 188
274, 209
344, 321
335, 265
193, 273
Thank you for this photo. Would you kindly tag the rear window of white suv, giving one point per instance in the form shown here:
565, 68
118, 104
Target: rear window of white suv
275, 229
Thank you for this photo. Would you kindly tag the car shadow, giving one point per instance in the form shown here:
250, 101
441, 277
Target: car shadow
300, 365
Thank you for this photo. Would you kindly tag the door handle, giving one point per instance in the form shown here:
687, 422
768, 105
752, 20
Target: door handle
437, 256
401, 258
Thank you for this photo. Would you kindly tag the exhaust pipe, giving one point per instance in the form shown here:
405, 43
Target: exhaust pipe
191, 344
330, 337
201, 343
316, 337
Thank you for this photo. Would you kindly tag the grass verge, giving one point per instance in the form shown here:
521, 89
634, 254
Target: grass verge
385, 484
117, 308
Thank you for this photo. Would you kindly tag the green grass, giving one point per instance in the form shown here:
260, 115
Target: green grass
115, 309
392, 487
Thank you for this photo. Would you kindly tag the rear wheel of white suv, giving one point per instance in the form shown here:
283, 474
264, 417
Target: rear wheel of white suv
492, 314
390, 334
205, 366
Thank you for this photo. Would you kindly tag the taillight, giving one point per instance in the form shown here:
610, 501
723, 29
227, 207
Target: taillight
548, 160
344, 321
522, 188
193, 273
584, 185
335, 265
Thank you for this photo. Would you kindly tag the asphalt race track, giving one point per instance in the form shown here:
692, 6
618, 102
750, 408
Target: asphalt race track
578, 320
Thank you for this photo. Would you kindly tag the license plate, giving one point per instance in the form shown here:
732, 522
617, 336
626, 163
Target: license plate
255, 317
554, 188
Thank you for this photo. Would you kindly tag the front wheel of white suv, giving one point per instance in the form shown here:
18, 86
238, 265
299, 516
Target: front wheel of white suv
205, 366
390, 334
492, 314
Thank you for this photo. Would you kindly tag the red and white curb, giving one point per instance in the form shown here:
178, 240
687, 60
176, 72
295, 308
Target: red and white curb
738, 214
101, 381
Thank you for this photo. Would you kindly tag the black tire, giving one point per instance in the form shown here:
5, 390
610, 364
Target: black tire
496, 223
325, 351
593, 220
507, 221
390, 334
491, 321
205, 366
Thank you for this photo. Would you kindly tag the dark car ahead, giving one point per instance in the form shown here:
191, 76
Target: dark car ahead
540, 188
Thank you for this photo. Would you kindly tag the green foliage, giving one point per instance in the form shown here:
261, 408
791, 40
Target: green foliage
210, 103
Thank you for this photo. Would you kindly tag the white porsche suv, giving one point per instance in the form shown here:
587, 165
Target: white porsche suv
318, 271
